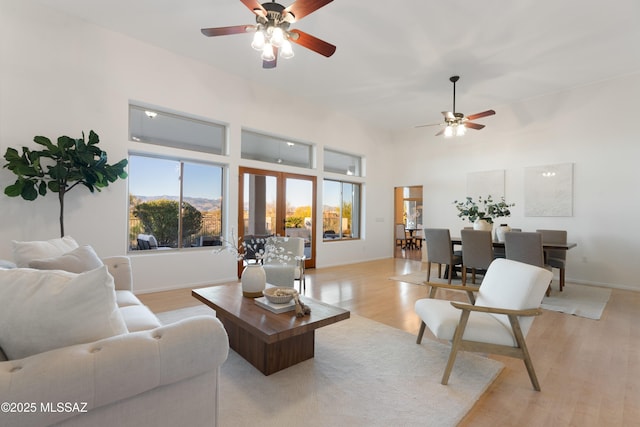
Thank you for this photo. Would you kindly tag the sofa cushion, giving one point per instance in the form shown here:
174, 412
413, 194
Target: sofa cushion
45, 309
25, 252
79, 260
139, 318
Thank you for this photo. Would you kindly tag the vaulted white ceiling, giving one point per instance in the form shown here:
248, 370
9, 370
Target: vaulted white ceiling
394, 58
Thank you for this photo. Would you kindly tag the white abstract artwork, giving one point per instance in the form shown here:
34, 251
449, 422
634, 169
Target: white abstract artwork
483, 184
548, 190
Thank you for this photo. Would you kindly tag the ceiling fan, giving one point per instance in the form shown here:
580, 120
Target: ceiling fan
272, 33
456, 123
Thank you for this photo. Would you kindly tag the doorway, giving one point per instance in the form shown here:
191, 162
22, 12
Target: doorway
408, 212
278, 203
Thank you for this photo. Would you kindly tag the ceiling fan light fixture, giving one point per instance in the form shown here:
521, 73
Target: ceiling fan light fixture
461, 130
286, 50
258, 40
267, 53
448, 131
277, 37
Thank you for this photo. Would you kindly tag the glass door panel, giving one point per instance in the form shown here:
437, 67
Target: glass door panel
277, 203
299, 211
259, 208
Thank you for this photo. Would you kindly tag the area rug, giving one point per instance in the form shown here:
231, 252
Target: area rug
579, 300
364, 373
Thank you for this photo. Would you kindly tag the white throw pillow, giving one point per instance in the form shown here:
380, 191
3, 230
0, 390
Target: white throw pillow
78, 260
25, 252
45, 309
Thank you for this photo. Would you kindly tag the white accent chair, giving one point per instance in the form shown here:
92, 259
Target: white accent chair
498, 322
284, 261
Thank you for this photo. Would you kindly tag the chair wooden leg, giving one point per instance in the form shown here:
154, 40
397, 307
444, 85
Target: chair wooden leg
561, 279
464, 275
457, 338
428, 270
439, 270
421, 333
517, 332
432, 292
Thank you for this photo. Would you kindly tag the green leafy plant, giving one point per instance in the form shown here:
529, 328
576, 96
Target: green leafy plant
61, 167
486, 209
160, 218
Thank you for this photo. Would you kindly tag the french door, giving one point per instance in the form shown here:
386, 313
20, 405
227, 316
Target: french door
278, 203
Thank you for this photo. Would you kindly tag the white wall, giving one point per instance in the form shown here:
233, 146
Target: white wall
594, 127
61, 76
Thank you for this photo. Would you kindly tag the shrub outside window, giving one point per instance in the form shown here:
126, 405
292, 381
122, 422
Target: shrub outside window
178, 203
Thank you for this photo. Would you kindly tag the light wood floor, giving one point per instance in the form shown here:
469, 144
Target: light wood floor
589, 370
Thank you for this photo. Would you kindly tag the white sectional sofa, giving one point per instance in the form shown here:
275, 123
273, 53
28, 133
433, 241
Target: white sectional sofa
150, 375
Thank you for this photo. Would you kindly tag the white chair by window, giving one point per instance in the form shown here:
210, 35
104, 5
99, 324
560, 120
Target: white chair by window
284, 261
508, 298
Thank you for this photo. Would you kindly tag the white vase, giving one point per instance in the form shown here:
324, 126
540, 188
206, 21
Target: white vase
482, 225
503, 228
253, 280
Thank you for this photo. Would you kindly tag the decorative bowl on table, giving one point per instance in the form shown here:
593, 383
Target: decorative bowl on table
279, 295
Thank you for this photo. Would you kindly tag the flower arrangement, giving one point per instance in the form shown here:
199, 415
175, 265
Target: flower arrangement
258, 248
483, 209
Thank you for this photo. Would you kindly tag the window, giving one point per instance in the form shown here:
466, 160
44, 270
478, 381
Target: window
272, 149
152, 126
342, 163
177, 202
341, 211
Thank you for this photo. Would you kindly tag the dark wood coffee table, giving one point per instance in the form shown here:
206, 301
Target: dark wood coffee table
270, 342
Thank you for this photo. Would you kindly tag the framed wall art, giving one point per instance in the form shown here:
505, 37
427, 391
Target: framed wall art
548, 190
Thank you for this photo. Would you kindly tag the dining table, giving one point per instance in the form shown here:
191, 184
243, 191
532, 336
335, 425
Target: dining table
545, 245
497, 244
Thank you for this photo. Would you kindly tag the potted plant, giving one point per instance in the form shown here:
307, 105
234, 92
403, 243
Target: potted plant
60, 168
482, 212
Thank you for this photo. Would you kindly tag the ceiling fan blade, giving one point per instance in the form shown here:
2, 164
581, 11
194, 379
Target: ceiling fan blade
432, 124
480, 115
448, 115
311, 42
441, 132
302, 8
271, 64
225, 31
255, 7
473, 125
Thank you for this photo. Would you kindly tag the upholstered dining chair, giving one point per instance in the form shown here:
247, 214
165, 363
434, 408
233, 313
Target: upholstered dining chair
440, 251
477, 252
401, 236
418, 236
284, 261
526, 247
555, 258
498, 322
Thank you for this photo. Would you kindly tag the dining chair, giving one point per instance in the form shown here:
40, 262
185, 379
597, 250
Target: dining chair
440, 251
418, 236
401, 236
499, 320
556, 258
526, 247
499, 252
477, 253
